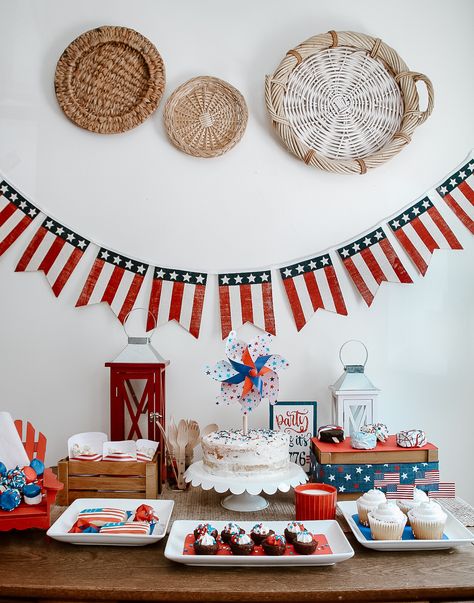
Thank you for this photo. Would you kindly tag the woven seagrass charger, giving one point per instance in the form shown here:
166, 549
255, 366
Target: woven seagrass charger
109, 80
345, 102
205, 117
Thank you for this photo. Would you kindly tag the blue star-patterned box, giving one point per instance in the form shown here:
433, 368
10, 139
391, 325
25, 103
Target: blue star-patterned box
352, 470
359, 477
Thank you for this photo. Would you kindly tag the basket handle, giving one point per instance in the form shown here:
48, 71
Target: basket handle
419, 77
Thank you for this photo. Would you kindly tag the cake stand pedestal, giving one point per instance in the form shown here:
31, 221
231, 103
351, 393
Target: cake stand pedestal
245, 491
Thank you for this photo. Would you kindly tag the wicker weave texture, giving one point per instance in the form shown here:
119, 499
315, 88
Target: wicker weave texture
205, 117
345, 102
109, 80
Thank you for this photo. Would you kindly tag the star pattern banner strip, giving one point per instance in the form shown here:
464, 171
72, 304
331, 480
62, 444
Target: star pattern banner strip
114, 279
371, 260
458, 193
312, 284
54, 250
246, 297
421, 229
16, 214
177, 295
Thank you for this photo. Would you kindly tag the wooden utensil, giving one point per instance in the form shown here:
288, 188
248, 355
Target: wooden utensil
172, 436
193, 440
181, 441
209, 429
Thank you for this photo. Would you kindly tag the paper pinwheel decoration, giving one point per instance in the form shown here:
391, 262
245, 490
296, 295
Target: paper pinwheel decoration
249, 374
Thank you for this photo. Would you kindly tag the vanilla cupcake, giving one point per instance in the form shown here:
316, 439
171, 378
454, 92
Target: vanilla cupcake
387, 522
427, 521
407, 504
368, 501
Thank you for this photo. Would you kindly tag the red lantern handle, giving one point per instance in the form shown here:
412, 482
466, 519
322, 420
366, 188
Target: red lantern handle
133, 310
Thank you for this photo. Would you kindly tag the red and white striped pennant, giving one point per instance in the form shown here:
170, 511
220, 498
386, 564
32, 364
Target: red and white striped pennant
114, 279
54, 250
177, 295
430, 477
246, 297
370, 260
16, 214
458, 192
444, 490
396, 491
310, 285
421, 229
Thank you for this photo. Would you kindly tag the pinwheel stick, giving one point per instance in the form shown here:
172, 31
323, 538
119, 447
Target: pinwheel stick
245, 423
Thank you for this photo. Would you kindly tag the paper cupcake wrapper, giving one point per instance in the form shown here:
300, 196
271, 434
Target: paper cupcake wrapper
362, 510
427, 530
384, 530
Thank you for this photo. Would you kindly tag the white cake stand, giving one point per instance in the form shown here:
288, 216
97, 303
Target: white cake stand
245, 491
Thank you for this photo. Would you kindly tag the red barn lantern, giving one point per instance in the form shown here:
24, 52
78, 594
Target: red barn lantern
137, 392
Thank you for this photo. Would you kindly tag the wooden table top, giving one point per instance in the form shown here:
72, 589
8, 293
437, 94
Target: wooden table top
34, 567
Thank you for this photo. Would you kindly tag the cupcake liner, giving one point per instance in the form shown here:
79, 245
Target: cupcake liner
362, 510
385, 530
427, 530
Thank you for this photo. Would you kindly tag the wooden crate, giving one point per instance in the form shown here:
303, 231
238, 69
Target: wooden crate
388, 452
105, 479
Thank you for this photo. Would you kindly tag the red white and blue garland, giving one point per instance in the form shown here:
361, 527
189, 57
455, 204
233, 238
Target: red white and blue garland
311, 283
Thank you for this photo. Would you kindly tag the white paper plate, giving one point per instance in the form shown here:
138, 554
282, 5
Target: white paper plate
341, 549
60, 528
456, 533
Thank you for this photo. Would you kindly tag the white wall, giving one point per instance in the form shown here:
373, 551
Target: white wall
254, 206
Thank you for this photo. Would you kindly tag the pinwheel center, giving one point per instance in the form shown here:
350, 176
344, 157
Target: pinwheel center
253, 372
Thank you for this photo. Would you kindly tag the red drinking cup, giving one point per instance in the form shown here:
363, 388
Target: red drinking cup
315, 501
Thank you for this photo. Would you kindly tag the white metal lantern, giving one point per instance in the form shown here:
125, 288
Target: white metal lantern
354, 396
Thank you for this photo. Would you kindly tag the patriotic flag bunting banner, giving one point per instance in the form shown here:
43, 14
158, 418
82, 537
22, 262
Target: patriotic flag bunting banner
54, 250
114, 279
16, 214
458, 192
370, 260
177, 295
421, 229
403, 491
443, 490
310, 285
246, 297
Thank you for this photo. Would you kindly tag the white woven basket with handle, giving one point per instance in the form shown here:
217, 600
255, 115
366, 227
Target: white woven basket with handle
345, 102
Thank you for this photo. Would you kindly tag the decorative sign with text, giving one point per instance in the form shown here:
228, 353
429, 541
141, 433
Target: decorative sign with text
298, 420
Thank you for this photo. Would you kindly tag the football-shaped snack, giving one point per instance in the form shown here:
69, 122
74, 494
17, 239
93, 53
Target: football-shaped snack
331, 433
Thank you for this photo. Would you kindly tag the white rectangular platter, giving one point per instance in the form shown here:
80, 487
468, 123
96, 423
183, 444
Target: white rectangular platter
456, 533
60, 529
341, 549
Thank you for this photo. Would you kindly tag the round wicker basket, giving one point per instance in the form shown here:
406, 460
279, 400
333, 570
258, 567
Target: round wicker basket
109, 79
345, 102
205, 117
